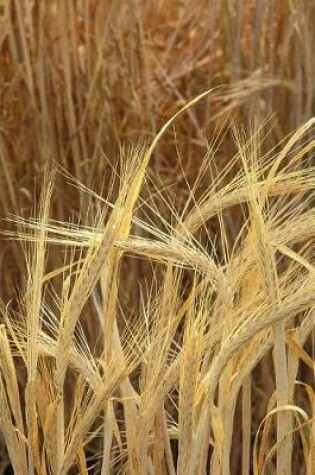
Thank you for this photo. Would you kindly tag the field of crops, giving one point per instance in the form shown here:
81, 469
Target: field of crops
157, 258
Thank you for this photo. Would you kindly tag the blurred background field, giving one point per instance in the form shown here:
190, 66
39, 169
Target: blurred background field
83, 83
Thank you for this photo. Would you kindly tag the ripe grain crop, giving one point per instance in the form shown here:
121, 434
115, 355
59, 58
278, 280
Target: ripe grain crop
157, 252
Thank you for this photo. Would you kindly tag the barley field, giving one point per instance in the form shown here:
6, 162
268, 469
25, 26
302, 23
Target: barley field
157, 258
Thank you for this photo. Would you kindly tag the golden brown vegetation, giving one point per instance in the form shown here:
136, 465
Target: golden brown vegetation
159, 315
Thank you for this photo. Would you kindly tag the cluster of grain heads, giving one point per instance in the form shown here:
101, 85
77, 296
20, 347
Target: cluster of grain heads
169, 387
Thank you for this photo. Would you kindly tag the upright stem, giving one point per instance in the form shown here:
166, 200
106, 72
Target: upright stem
283, 418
